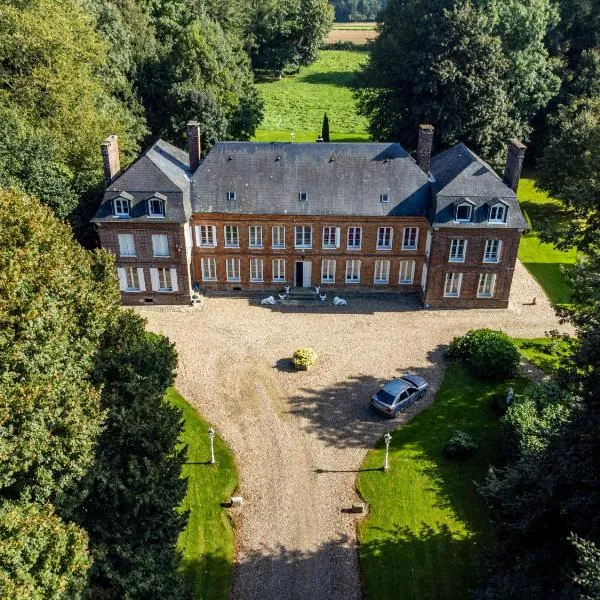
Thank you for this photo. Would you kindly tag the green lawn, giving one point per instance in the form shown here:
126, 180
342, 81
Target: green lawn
427, 522
544, 353
297, 103
543, 261
208, 541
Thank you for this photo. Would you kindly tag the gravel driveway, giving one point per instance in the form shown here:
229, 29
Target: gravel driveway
299, 438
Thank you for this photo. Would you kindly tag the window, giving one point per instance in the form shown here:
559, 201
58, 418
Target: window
256, 270
278, 234
384, 198
487, 283
160, 245
232, 236
230, 195
464, 212
164, 280
121, 206
126, 244
303, 236
206, 236
278, 269
382, 271
331, 238
452, 286
458, 249
410, 238
384, 238
209, 269
498, 213
328, 271
233, 269
133, 279
354, 238
156, 207
353, 271
302, 196
256, 236
406, 274
491, 253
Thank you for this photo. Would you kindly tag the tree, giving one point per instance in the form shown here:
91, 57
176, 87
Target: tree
325, 128
357, 10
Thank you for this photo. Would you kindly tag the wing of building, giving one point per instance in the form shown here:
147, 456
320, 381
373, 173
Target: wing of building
256, 216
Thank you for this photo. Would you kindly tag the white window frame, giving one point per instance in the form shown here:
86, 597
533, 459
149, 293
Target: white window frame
381, 272
497, 206
328, 231
255, 236
124, 239
452, 281
234, 230
384, 198
231, 196
487, 255
302, 229
257, 270
406, 272
352, 271
156, 246
119, 204
464, 220
352, 231
279, 236
135, 278
165, 282
209, 268
382, 234
486, 281
278, 270
232, 270
456, 245
328, 273
303, 196
408, 233
206, 236
156, 215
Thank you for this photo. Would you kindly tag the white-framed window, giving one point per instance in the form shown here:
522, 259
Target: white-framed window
255, 236
303, 196
232, 236
160, 245
464, 212
278, 269
209, 268
383, 198
233, 269
126, 244
487, 283
206, 236
303, 236
406, 274
164, 280
354, 238
278, 236
491, 253
458, 249
410, 238
382, 271
156, 208
331, 237
353, 271
328, 271
497, 213
133, 279
121, 207
256, 270
231, 196
384, 238
452, 285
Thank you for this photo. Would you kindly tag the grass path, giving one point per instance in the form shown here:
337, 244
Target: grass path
208, 541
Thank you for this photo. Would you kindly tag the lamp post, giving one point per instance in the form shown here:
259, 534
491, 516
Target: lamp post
211, 435
387, 438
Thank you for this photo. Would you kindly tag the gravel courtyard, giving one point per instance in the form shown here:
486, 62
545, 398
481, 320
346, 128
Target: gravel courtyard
299, 438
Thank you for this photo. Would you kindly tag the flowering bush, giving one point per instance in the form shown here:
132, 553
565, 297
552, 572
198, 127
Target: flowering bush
460, 445
304, 358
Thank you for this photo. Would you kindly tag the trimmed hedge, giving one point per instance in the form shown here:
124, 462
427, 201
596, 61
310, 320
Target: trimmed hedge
303, 358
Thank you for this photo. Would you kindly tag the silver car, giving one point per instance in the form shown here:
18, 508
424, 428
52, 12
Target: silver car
399, 393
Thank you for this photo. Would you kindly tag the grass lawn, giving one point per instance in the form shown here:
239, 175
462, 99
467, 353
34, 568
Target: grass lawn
207, 543
543, 353
297, 103
543, 261
427, 522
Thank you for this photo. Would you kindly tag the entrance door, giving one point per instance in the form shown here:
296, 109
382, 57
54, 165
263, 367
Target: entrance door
307, 271
299, 279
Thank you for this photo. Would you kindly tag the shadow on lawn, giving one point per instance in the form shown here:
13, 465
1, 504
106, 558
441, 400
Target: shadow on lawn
551, 277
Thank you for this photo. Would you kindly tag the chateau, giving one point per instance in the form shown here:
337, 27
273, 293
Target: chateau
346, 217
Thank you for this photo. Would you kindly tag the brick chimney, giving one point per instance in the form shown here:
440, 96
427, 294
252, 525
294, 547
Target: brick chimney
514, 163
194, 144
424, 147
110, 158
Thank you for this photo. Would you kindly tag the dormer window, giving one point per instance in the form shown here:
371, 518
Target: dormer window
231, 196
464, 212
121, 207
302, 196
498, 213
156, 208
383, 198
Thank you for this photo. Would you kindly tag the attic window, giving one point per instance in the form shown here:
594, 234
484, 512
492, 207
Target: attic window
464, 212
121, 207
302, 196
156, 208
230, 195
384, 198
497, 213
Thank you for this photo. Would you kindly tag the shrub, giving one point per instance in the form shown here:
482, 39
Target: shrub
304, 358
492, 354
528, 221
460, 445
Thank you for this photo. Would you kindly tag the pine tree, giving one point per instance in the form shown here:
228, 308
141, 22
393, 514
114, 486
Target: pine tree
325, 129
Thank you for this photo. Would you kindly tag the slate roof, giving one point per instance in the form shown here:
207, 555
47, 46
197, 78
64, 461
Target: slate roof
164, 170
339, 179
458, 174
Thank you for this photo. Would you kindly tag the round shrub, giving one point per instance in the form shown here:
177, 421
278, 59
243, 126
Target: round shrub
491, 354
460, 445
303, 358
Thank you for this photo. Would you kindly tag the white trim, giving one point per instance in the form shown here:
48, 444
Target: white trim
353, 262
141, 279
411, 270
483, 278
331, 272
281, 237
391, 242
385, 272
498, 253
154, 279
122, 279
124, 239
330, 245
233, 265
212, 268
260, 272
416, 243
281, 271
458, 258
174, 284
258, 231
302, 245
234, 238
354, 247
458, 286
160, 242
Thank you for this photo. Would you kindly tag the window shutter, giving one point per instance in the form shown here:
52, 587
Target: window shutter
141, 279
122, 279
338, 235
198, 235
214, 235
154, 279
174, 280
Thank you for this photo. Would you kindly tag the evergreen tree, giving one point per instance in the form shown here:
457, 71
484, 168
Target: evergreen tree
325, 128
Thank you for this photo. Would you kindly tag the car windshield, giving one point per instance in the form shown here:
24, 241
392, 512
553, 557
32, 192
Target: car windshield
385, 397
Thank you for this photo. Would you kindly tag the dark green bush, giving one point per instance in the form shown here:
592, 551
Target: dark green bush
460, 445
491, 354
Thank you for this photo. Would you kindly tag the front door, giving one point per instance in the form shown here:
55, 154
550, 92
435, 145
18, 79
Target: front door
306, 274
299, 280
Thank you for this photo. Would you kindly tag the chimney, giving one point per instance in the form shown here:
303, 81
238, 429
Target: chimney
514, 162
424, 147
194, 145
110, 158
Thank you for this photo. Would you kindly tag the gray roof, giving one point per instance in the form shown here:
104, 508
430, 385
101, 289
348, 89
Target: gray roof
163, 171
459, 175
339, 179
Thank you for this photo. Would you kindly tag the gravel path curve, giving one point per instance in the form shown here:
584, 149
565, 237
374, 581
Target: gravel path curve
299, 438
